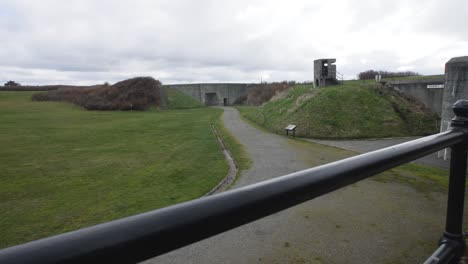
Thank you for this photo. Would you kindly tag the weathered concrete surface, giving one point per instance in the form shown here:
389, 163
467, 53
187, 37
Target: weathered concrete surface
214, 93
368, 222
324, 72
430, 97
456, 87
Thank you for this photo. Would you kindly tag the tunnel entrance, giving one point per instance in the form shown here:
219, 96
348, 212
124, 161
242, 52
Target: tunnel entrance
211, 99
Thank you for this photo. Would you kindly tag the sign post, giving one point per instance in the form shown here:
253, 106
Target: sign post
290, 128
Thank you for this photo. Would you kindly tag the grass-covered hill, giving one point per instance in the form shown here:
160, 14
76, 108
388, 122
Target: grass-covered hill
351, 110
179, 100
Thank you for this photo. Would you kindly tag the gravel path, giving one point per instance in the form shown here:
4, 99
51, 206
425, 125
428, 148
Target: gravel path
368, 222
272, 155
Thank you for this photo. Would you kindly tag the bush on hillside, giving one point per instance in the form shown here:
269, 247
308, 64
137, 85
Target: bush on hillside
132, 94
265, 91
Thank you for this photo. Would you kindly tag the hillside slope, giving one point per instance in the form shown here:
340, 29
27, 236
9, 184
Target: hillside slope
179, 100
344, 111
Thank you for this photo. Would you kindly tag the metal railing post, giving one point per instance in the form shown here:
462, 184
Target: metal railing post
452, 243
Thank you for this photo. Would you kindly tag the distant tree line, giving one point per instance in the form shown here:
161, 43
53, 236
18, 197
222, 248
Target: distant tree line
12, 84
370, 74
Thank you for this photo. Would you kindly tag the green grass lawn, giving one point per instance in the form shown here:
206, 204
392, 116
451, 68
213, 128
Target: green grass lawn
63, 168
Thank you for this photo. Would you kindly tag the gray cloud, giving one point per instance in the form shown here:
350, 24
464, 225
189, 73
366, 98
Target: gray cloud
193, 41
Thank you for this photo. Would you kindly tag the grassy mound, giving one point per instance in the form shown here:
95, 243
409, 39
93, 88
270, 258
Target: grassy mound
344, 111
179, 100
133, 94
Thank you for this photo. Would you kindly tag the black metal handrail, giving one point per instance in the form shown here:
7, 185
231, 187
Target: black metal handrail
150, 234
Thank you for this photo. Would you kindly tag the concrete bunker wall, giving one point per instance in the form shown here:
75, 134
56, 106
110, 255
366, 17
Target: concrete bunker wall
428, 92
324, 72
214, 93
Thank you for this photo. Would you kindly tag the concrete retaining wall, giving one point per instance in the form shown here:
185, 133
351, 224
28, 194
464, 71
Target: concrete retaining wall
422, 91
214, 93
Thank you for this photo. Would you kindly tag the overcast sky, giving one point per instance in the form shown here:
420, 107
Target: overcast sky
183, 41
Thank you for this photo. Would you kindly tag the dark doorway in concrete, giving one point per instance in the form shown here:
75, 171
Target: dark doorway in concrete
325, 69
225, 101
211, 99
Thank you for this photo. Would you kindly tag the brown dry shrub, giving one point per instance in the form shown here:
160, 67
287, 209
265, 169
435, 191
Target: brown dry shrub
265, 91
133, 94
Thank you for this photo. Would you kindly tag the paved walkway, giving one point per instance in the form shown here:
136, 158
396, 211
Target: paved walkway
367, 222
367, 145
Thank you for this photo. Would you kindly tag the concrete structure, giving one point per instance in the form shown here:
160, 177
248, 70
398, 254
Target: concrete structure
429, 92
214, 93
324, 72
456, 87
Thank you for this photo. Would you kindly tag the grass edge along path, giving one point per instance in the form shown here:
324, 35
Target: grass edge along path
238, 151
421, 177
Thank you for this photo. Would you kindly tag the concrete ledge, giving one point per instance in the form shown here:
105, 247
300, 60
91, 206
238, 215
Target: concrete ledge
428, 81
